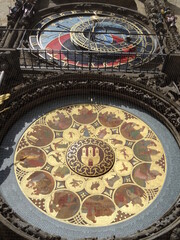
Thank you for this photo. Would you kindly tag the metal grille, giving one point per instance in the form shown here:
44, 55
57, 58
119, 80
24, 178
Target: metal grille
134, 60
90, 61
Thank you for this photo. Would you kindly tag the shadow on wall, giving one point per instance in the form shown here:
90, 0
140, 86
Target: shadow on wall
123, 3
174, 8
7, 234
44, 4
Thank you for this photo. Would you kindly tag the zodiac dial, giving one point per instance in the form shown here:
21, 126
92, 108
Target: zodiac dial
100, 39
90, 165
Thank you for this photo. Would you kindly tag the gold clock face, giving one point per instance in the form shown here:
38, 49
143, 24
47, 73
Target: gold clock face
90, 165
105, 34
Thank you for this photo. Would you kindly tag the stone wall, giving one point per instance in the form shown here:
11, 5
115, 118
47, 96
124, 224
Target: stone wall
124, 3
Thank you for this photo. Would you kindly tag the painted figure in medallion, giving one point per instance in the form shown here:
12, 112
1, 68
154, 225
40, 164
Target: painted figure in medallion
85, 115
109, 119
59, 121
95, 185
102, 133
86, 131
128, 193
115, 141
61, 171
31, 157
132, 131
40, 135
40, 183
65, 203
142, 174
97, 206
145, 149
59, 144
111, 181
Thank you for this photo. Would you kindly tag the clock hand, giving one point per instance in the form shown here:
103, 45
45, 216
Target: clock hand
58, 25
92, 32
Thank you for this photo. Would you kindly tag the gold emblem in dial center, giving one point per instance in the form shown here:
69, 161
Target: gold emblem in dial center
90, 157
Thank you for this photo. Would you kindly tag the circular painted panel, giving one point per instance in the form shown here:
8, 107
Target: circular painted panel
90, 165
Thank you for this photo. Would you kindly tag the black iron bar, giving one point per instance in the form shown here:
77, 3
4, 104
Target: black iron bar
98, 57
5, 36
75, 60
82, 60
24, 58
31, 62
67, 31
53, 62
133, 68
67, 60
39, 63
46, 58
60, 62
105, 64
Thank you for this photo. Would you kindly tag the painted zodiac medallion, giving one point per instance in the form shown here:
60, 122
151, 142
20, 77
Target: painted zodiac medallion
90, 165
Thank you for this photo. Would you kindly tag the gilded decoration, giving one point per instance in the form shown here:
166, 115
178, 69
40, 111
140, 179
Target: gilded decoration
90, 165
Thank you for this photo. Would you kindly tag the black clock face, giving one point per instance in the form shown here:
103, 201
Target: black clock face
105, 40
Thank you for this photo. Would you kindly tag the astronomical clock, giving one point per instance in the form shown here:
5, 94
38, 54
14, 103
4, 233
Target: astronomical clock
87, 154
102, 32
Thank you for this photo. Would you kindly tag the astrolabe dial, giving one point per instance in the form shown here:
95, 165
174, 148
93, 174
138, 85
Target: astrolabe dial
90, 165
83, 39
104, 34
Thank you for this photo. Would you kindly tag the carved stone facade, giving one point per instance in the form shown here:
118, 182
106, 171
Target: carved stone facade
158, 94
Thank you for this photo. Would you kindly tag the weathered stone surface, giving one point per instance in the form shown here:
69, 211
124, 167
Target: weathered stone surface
124, 3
